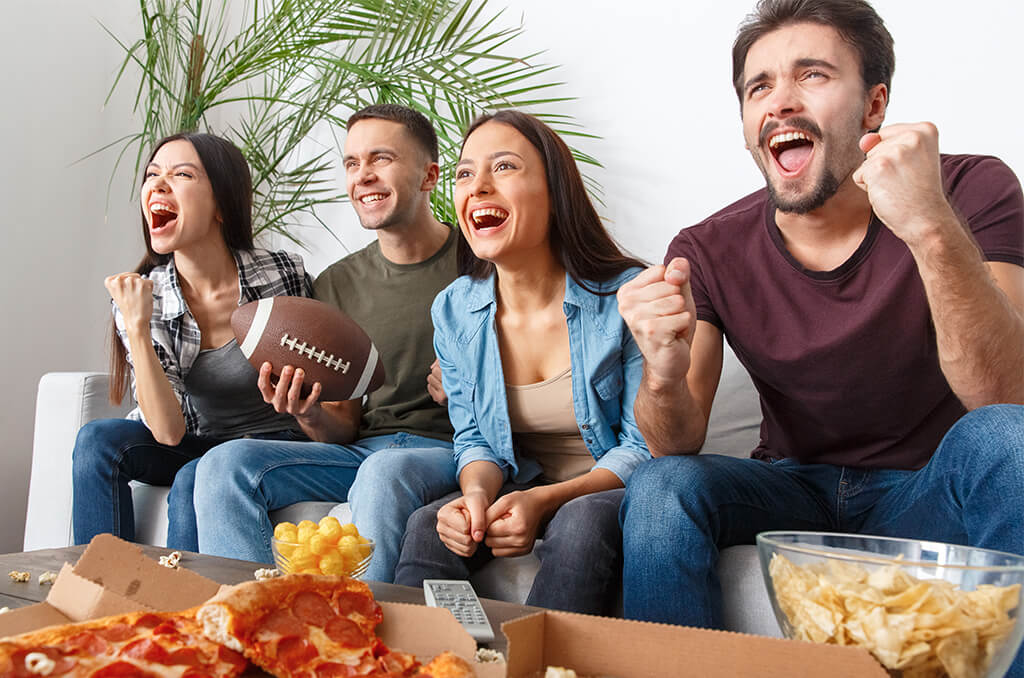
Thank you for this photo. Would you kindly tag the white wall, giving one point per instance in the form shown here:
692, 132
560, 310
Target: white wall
653, 79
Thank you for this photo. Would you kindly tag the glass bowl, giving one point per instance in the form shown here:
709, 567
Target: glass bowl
350, 557
922, 607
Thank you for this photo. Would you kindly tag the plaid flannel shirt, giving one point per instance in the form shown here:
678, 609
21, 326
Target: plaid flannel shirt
176, 335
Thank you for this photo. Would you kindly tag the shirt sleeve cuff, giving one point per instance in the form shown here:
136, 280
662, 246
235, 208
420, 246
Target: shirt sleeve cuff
622, 461
479, 453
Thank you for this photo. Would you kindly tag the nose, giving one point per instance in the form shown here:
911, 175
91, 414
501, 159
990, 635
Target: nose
784, 99
159, 183
365, 174
481, 184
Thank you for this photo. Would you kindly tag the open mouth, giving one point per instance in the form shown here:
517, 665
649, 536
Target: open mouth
488, 218
791, 150
162, 216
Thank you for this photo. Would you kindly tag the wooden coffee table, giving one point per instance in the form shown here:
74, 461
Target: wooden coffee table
222, 570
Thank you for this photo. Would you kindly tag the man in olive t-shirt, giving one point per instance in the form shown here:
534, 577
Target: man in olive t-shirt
875, 293
399, 440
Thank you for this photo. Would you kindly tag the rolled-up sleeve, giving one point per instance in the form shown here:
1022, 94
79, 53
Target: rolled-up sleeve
632, 450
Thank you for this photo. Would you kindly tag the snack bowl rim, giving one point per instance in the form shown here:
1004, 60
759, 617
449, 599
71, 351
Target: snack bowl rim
771, 539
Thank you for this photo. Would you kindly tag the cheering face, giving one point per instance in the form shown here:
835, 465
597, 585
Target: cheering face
386, 173
177, 200
804, 110
501, 195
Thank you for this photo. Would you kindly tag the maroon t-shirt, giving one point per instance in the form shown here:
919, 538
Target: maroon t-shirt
845, 361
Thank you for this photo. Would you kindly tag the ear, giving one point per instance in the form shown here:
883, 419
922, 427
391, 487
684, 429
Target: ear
431, 177
875, 104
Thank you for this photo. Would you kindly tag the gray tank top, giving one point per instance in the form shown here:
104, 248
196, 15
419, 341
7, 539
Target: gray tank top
222, 385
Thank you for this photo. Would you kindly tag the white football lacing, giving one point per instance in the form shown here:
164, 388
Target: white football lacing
293, 344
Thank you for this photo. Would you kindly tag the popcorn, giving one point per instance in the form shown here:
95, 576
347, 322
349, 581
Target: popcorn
47, 577
4, 609
171, 560
20, 577
486, 655
266, 573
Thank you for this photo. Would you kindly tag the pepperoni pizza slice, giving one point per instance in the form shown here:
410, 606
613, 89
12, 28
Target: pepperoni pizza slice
306, 626
139, 644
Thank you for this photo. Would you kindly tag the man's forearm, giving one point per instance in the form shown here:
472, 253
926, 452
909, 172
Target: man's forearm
979, 332
669, 418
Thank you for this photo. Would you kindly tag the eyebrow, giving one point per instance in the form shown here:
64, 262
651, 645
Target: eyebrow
180, 164
492, 156
372, 151
806, 62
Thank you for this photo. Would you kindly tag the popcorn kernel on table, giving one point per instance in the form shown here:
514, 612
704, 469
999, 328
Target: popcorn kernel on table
20, 577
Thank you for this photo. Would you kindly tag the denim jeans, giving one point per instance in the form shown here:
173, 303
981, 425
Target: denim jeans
580, 555
239, 482
679, 512
111, 452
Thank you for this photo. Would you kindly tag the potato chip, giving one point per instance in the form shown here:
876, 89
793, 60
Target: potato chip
920, 627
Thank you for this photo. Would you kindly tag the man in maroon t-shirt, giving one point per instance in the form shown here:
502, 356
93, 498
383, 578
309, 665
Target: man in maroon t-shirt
874, 291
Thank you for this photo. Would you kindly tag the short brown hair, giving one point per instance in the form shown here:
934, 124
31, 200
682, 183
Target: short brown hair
415, 122
855, 20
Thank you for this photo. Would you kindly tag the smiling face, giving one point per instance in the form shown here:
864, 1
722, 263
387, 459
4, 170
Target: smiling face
388, 175
501, 195
805, 108
177, 200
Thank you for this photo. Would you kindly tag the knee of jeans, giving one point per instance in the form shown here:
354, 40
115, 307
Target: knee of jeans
422, 521
96, 445
220, 469
989, 436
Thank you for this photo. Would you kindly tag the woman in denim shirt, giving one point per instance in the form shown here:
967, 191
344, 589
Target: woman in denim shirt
541, 373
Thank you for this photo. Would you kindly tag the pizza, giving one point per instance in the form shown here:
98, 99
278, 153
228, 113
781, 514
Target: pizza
301, 626
304, 625
142, 644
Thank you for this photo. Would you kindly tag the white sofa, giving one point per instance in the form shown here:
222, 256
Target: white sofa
67, 400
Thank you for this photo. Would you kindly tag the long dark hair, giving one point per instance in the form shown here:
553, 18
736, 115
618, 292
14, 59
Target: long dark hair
231, 181
579, 240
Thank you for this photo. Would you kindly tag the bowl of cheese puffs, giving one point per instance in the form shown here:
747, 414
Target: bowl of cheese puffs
327, 547
920, 608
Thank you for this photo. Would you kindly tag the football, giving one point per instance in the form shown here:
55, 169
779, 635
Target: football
316, 337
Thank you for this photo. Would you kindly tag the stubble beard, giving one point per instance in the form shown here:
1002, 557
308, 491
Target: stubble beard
824, 188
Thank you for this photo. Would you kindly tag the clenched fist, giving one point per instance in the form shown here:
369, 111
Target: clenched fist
133, 295
658, 308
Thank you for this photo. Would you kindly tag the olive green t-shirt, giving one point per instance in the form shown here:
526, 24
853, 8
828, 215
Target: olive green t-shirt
391, 302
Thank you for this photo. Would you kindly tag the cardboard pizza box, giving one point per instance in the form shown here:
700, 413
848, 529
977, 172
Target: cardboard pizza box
600, 646
115, 577
111, 577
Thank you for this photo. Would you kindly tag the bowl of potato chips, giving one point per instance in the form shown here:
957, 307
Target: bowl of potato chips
921, 608
327, 547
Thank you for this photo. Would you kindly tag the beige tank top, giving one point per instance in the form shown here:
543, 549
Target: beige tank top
544, 427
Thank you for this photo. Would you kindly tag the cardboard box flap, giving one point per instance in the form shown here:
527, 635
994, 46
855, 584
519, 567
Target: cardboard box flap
619, 647
424, 631
29, 618
122, 569
429, 631
79, 599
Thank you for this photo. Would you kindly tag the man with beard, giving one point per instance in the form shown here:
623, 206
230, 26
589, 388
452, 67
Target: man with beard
875, 293
391, 166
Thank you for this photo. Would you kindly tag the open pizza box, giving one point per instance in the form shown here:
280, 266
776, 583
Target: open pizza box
114, 577
600, 646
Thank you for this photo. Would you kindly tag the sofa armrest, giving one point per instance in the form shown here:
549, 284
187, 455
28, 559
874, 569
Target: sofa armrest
64, 402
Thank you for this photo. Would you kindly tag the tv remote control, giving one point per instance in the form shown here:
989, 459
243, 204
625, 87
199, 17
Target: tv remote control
458, 596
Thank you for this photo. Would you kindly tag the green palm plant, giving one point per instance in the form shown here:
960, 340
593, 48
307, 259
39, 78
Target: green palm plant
273, 74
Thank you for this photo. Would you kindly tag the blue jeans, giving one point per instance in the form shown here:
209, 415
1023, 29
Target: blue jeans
580, 555
239, 482
679, 512
111, 452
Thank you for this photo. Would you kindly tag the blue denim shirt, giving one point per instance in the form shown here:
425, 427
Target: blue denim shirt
606, 371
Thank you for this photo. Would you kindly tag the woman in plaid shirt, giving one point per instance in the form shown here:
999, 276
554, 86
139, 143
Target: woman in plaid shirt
173, 342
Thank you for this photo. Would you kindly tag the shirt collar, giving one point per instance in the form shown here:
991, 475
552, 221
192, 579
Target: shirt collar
168, 288
251, 276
